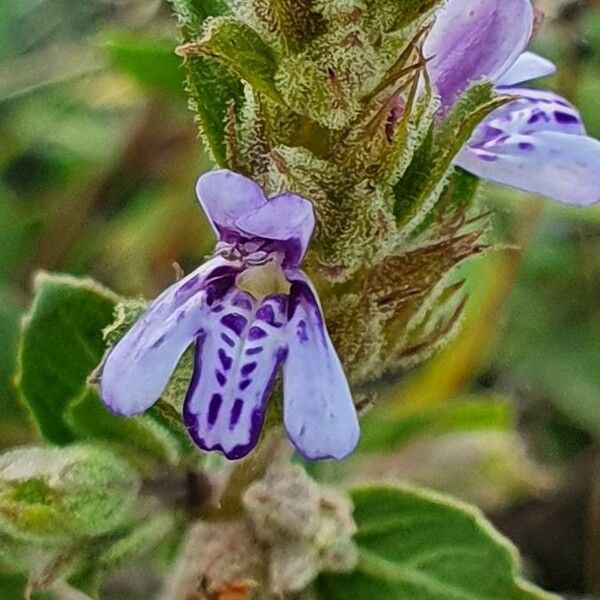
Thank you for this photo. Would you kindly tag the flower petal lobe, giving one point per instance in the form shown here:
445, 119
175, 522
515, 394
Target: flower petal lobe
527, 67
138, 368
475, 39
234, 373
226, 196
319, 414
554, 164
286, 217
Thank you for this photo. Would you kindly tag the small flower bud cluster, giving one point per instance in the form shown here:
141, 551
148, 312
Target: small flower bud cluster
306, 527
293, 530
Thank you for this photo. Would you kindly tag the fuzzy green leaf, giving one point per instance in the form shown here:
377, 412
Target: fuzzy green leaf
213, 90
409, 135
244, 52
459, 195
290, 23
462, 189
61, 344
89, 418
474, 105
420, 188
229, 52
415, 544
51, 495
141, 539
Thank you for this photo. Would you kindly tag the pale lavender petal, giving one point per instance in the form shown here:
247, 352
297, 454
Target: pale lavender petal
527, 67
137, 369
237, 356
318, 411
559, 165
535, 110
236, 204
475, 39
286, 217
538, 144
226, 196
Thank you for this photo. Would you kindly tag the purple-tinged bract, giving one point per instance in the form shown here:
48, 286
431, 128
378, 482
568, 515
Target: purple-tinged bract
249, 310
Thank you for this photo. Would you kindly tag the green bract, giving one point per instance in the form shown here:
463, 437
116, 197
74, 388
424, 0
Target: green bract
299, 97
63, 340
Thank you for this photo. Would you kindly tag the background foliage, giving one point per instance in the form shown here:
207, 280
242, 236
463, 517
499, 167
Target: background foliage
97, 165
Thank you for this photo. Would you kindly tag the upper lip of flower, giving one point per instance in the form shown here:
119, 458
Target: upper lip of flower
239, 210
475, 39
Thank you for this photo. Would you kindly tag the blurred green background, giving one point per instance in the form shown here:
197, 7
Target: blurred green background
98, 159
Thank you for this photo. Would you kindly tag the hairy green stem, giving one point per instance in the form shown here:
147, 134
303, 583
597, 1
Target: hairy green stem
271, 448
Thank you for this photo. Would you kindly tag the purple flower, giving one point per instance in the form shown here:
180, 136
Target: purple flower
249, 310
537, 143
